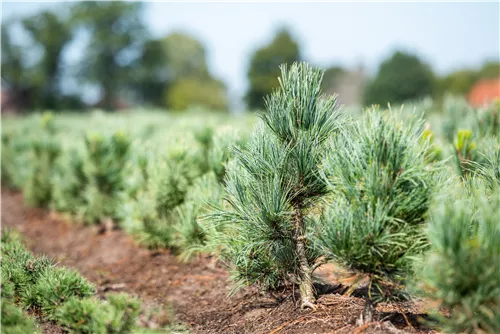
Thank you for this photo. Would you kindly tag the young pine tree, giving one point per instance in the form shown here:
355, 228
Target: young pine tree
105, 161
462, 269
274, 183
382, 191
38, 189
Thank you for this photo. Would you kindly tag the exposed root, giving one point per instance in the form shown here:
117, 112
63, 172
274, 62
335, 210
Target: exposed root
307, 304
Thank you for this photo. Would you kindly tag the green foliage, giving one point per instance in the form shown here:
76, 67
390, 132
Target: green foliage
434, 152
173, 186
460, 82
45, 150
264, 67
16, 157
470, 132
104, 62
188, 92
7, 167
57, 293
41, 28
461, 271
89, 315
14, 320
382, 191
222, 151
52, 289
331, 77
173, 73
464, 150
36, 281
38, 189
489, 169
191, 232
273, 182
69, 184
106, 159
8, 287
81, 316
400, 78
185, 56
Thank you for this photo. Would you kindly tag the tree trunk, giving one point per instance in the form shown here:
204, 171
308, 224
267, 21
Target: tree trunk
308, 298
368, 312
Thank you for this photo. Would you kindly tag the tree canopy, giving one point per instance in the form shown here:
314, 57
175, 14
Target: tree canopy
400, 78
264, 69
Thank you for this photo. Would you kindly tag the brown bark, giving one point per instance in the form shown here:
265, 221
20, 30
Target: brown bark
368, 312
308, 298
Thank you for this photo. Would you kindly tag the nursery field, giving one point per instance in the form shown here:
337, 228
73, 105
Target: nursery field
307, 218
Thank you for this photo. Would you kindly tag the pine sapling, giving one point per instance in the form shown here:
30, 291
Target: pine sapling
462, 272
382, 190
274, 184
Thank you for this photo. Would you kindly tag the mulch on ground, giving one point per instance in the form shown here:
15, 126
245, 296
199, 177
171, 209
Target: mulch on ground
197, 291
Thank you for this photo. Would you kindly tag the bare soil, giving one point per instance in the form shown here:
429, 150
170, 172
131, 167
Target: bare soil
197, 291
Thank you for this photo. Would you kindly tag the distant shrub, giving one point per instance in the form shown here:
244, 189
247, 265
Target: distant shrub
222, 151
461, 271
190, 232
45, 149
70, 183
400, 78
104, 165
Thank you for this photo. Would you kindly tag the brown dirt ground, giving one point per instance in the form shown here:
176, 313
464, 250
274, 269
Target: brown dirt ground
198, 290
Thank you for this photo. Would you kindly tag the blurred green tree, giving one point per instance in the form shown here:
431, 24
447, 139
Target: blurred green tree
457, 83
331, 77
400, 78
117, 34
51, 31
150, 73
490, 70
170, 63
188, 80
186, 57
189, 92
264, 67
14, 71
460, 82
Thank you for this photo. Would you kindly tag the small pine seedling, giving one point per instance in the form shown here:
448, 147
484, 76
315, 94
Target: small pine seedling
274, 183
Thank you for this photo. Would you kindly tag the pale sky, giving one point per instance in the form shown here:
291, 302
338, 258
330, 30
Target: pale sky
447, 35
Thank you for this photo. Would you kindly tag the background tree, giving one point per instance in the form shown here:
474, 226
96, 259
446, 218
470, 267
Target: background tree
190, 92
116, 35
264, 69
331, 76
166, 60
400, 78
151, 73
186, 57
14, 71
457, 83
51, 31
189, 80
460, 82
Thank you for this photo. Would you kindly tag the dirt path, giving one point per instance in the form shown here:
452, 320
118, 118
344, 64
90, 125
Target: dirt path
197, 291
